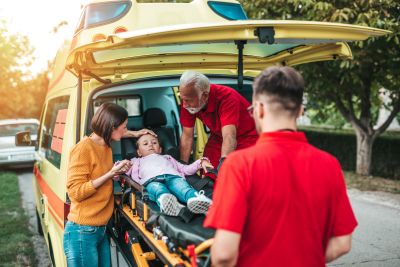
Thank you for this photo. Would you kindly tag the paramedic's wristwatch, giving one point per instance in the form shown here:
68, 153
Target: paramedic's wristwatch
221, 160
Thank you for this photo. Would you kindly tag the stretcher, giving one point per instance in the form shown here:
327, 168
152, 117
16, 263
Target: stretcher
150, 238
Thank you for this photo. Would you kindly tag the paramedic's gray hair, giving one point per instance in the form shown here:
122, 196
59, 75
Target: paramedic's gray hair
196, 79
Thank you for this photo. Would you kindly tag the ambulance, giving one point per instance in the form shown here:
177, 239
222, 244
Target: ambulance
133, 54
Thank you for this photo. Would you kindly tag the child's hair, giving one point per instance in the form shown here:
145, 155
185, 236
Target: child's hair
137, 141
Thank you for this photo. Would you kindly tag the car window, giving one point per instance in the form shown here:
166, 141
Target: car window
53, 129
131, 103
229, 11
13, 129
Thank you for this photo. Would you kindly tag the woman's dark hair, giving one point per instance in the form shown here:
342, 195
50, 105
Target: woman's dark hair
108, 117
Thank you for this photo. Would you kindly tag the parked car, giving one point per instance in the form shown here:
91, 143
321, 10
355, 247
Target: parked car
10, 154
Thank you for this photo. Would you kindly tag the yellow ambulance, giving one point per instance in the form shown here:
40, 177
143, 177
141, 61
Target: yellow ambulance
133, 54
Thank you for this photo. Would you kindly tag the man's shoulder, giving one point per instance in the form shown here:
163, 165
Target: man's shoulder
222, 90
242, 155
322, 154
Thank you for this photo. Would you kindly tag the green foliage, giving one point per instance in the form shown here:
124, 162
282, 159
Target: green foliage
16, 247
355, 82
341, 144
21, 96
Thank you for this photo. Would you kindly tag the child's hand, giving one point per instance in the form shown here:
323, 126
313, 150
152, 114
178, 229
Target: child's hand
205, 163
121, 167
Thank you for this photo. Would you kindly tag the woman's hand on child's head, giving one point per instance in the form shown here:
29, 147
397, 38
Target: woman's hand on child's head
205, 164
144, 131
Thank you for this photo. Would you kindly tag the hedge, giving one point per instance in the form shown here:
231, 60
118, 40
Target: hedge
385, 151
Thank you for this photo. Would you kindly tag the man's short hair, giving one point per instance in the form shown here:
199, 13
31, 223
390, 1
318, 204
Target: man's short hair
196, 79
282, 85
108, 117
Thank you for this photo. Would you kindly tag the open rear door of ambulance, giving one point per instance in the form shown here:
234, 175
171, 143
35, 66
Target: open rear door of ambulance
243, 47
258, 43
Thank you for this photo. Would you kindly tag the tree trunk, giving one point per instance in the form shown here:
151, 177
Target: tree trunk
364, 152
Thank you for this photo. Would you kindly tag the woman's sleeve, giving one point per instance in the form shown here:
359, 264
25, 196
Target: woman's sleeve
79, 184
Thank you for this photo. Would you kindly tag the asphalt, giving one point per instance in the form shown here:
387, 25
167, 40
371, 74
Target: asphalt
376, 240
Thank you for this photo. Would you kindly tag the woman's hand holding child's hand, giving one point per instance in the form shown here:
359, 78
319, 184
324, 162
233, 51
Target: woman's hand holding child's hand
121, 167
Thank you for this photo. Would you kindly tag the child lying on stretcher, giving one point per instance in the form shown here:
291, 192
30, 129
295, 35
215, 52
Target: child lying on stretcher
164, 178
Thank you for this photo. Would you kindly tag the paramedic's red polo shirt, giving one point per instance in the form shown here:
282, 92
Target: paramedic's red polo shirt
285, 197
225, 106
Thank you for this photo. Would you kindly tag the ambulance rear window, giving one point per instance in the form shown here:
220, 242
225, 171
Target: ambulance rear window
229, 11
104, 13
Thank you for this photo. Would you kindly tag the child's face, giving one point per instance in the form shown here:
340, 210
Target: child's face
148, 144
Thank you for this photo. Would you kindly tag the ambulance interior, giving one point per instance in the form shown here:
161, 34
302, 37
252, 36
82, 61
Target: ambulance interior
154, 105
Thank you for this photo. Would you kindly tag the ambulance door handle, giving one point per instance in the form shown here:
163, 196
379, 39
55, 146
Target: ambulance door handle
45, 210
38, 164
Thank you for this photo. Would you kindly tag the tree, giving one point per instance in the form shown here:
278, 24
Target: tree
21, 95
352, 85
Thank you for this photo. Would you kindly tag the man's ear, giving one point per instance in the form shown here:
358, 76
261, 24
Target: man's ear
206, 94
300, 112
260, 110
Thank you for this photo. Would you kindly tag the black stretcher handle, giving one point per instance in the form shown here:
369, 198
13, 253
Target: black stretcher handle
212, 170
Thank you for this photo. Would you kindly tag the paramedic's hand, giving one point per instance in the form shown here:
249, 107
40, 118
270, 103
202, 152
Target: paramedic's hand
206, 164
121, 167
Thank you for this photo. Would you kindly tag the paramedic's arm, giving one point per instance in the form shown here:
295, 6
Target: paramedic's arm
337, 246
186, 143
225, 249
228, 140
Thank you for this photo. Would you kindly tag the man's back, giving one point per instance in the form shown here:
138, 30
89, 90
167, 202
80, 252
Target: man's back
285, 197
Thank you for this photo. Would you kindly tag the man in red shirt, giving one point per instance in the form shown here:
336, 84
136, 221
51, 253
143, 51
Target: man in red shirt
281, 202
221, 109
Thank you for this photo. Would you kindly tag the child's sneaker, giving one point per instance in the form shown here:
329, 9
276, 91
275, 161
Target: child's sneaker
199, 204
169, 205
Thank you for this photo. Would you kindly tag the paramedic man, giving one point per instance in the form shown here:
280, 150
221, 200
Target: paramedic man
281, 202
221, 109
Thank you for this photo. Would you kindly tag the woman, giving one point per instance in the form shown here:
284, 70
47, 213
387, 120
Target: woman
90, 187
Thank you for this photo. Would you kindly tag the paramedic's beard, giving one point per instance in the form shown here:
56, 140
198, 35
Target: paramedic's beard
196, 110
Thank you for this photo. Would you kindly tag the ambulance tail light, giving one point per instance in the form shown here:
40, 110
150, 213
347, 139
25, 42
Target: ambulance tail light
99, 37
120, 29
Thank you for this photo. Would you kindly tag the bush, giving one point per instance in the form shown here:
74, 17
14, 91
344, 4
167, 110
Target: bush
342, 144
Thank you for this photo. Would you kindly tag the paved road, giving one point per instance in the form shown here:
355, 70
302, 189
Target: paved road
376, 242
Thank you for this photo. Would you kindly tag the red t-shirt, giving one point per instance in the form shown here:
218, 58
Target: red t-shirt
285, 197
225, 106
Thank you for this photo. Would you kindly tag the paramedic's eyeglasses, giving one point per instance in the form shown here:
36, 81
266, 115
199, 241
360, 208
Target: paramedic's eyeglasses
250, 110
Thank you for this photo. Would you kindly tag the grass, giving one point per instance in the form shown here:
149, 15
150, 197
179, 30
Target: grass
16, 248
371, 183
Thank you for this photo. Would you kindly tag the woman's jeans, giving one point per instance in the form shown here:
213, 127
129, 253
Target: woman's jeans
86, 245
171, 184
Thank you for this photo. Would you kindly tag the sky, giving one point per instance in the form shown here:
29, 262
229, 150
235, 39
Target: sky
36, 20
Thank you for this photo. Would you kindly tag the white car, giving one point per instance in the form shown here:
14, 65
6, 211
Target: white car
10, 154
